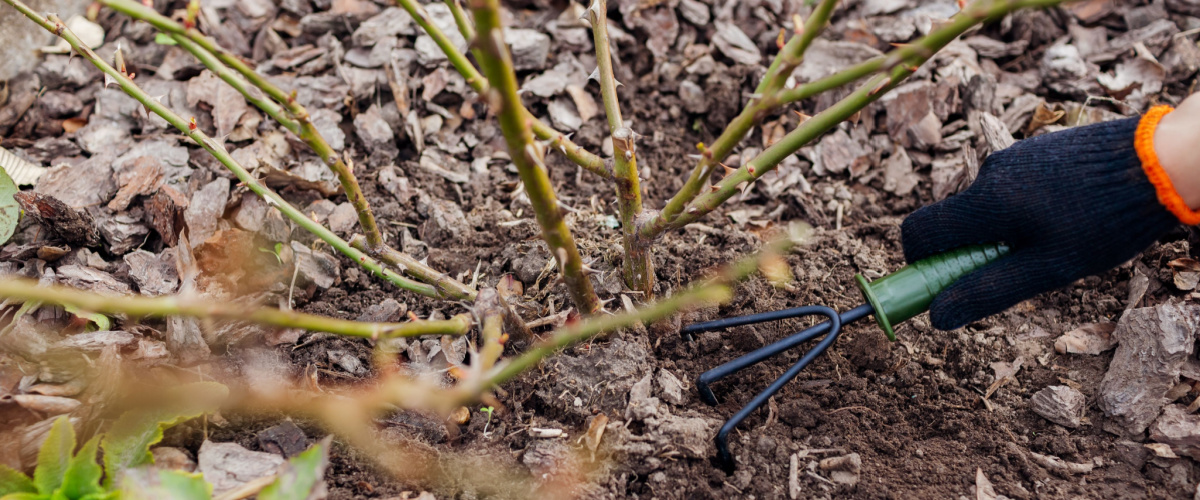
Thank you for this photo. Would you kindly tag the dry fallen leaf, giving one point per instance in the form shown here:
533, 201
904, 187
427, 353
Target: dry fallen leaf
983, 488
1092, 338
1004, 373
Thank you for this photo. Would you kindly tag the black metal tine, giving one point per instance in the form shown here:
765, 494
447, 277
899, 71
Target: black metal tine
721, 324
722, 440
758, 355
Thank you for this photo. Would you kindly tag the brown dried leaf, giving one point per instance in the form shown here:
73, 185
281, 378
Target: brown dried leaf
1093, 338
595, 432
1044, 115
1004, 373
584, 103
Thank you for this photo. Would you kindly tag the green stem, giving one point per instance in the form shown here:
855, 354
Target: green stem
158, 307
919, 51
55, 25
306, 131
899, 64
637, 266
572, 151
496, 62
766, 99
460, 18
448, 286
793, 141
716, 290
252, 94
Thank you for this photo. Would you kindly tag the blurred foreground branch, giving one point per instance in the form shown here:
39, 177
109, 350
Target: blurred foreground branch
159, 307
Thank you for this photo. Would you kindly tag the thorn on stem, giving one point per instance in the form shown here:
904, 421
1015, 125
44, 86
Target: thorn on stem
728, 170
803, 117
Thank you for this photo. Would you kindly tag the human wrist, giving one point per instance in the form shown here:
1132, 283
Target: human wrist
1175, 140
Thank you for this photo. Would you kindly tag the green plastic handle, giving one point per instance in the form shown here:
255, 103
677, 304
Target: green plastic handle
909, 291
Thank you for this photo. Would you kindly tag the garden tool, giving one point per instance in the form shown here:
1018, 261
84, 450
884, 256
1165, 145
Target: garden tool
891, 299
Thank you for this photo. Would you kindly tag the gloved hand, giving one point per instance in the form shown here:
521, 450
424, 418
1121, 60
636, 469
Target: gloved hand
1069, 204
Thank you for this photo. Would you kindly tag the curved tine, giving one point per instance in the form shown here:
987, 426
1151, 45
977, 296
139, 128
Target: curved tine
722, 436
723, 323
757, 355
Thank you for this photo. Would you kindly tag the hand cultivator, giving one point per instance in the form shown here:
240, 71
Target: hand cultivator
892, 299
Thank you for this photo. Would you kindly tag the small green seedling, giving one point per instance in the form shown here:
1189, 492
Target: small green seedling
278, 249
126, 471
488, 410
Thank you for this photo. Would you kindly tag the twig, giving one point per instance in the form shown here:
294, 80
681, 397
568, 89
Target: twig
767, 99
572, 151
305, 130
794, 140
460, 18
496, 62
917, 52
159, 307
448, 286
56, 26
715, 290
897, 67
252, 94
637, 266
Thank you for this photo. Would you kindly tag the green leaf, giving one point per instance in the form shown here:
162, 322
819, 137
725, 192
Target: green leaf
127, 444
164, 39
55, 456
148, 483
10, 211
83, 475
302, 475
101, 321
12, 481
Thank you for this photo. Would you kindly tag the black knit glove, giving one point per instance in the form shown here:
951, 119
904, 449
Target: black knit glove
1069, 204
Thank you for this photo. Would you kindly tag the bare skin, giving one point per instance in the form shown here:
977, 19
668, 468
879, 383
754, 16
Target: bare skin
1176, 141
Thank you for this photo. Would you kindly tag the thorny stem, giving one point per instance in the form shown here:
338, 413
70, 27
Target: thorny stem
899, 63
28, 290
637, 267
449, 287
558, 140
460, 18
496, 62
918, 51
456, 57
794, 140
56, 26
307, 132
716, 290
766, 99
252, 94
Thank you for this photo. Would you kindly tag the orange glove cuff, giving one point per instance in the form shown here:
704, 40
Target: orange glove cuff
1143, 141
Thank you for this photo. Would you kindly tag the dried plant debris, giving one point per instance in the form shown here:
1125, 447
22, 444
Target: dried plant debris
1153, 343
75, 227
1060, 404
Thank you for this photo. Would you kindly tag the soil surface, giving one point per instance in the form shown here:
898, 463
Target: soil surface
913, 410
